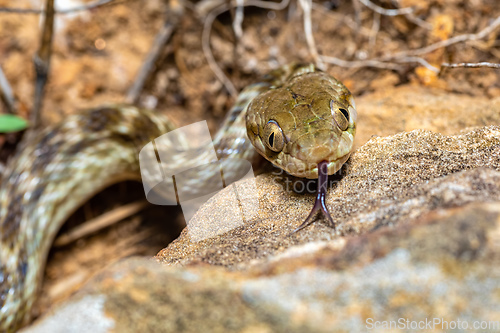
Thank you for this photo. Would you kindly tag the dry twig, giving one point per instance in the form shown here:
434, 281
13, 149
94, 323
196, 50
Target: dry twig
205, 44
306, 6
421, 23
100, 222
359, 63
162, 37
42, 62
418, 60
387, 12
238, 20
469, 65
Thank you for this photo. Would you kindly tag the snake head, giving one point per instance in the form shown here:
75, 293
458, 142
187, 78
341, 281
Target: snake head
309, 119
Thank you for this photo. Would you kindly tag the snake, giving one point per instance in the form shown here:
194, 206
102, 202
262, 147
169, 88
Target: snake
298, 117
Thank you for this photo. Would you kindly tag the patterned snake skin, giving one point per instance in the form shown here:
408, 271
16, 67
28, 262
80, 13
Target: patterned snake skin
295, 117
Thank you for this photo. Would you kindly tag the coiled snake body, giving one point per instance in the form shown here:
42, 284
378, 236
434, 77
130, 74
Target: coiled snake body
299, 118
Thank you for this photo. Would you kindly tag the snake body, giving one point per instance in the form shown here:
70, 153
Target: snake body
296, 117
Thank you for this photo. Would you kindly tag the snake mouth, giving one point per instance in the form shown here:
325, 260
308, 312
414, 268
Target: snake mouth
310, 170
330, 147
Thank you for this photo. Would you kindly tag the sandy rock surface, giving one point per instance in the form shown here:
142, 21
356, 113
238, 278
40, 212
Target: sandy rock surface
418, 237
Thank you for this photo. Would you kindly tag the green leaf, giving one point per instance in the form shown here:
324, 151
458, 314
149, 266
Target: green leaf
11, 123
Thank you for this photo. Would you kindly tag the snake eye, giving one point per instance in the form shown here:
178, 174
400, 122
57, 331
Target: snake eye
340, 115
273, 136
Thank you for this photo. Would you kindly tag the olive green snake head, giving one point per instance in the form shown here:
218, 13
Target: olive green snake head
309, 119
305, 125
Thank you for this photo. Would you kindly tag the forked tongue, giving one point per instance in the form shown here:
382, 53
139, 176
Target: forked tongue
319, 203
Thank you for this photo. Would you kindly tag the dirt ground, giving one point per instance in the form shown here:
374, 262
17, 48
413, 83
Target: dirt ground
97, 54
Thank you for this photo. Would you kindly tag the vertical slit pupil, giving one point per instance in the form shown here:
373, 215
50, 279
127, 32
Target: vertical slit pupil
271, 139
345, 113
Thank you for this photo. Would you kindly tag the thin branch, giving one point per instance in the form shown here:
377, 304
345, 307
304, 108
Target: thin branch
386, 12
306, 8
20, 10
268, 4
100, 222
6, 93
63, 11
421, 23
238, 20
148, 66
359, 63
205, 44
470, 65
42, 62
418, 60
237, 14
378, 64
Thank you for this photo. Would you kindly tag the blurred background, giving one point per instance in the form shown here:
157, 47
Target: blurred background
97, 52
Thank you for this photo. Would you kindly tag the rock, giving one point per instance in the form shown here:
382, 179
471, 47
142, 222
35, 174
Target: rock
139, 295
417, 238
443, 268
388, 181
390, 111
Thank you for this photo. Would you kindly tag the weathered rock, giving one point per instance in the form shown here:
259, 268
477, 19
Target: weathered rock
139, 295
417, 238
442, 267
388, 181
390, 111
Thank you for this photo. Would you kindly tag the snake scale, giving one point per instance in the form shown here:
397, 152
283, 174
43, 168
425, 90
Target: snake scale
298, 117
